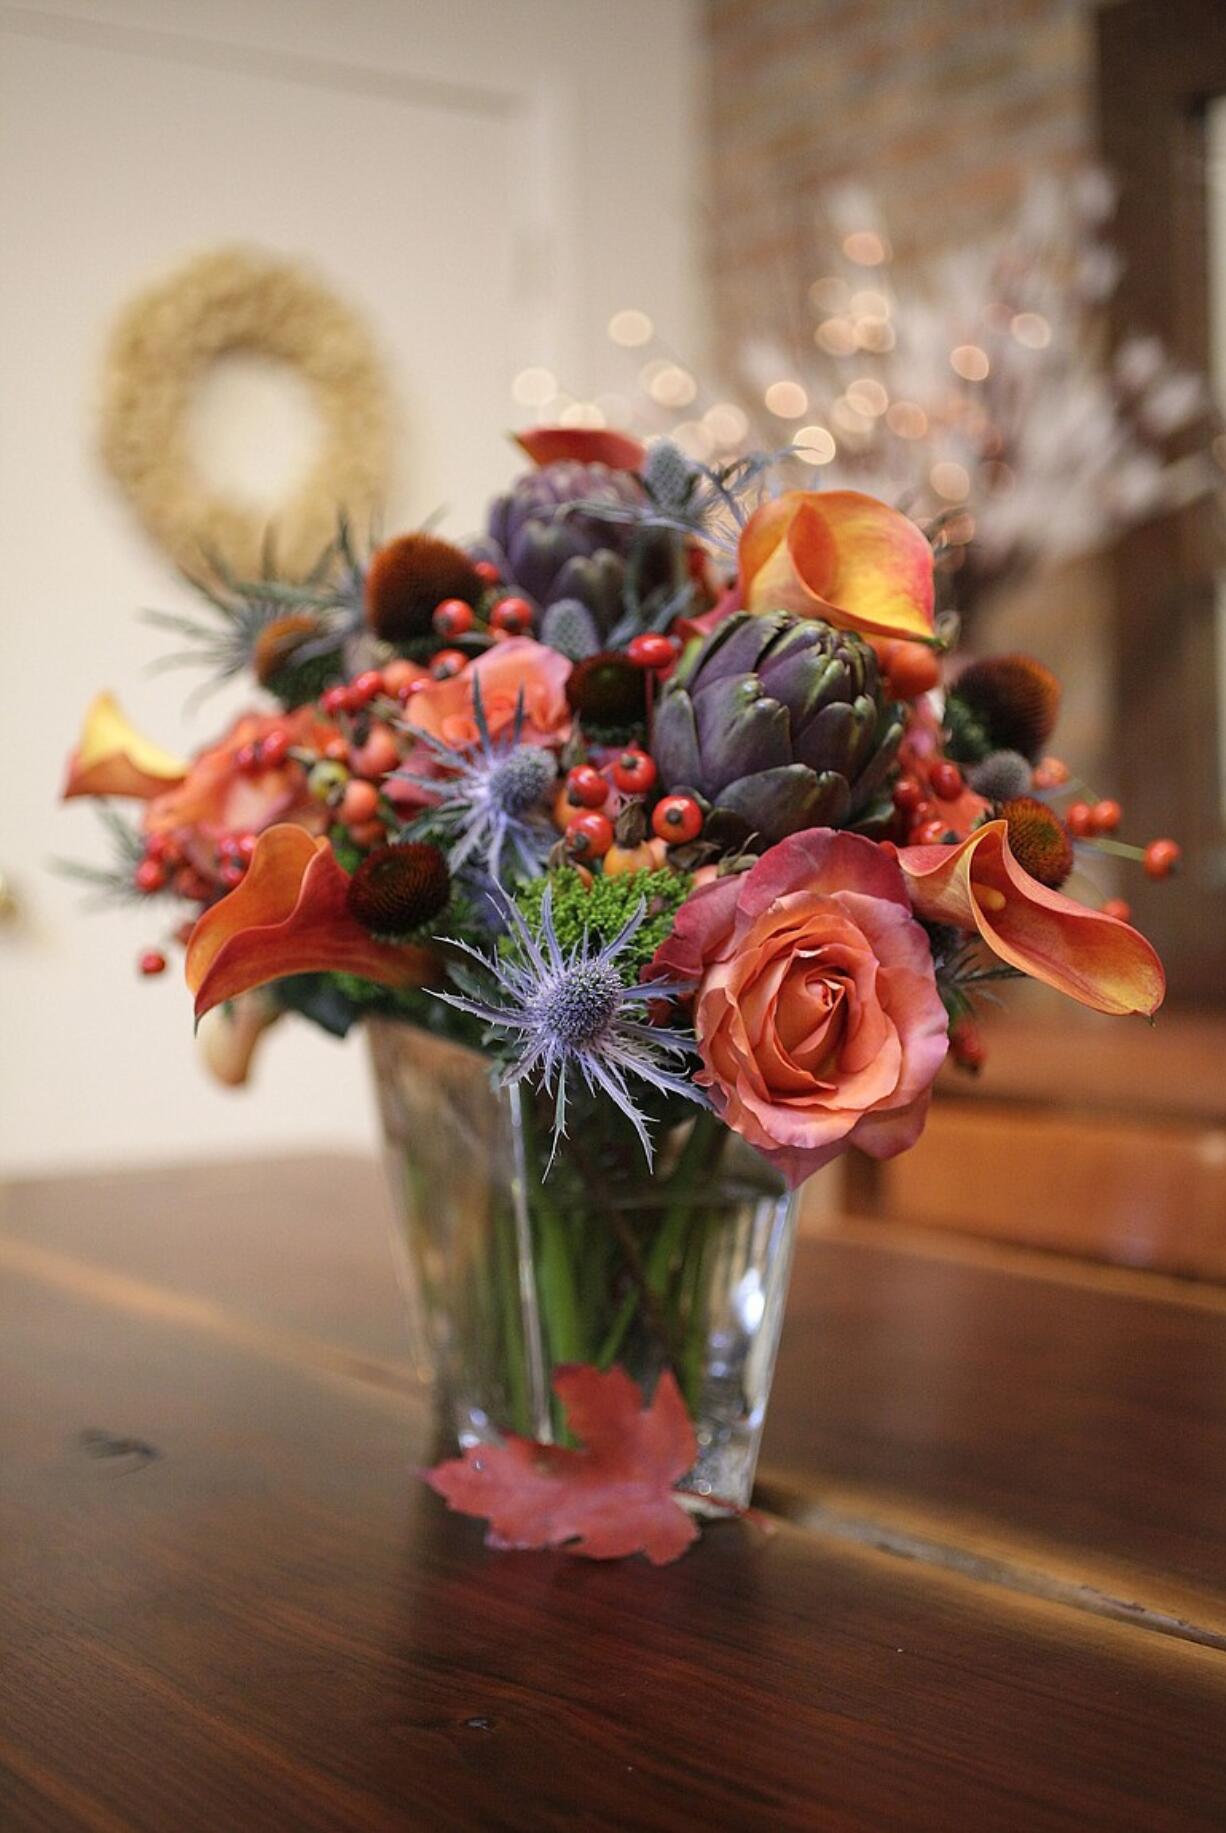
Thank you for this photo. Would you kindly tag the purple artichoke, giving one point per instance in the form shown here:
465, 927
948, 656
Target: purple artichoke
551, 551
777, 723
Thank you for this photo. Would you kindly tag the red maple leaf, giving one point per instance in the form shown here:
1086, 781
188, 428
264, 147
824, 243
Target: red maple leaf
611, 1497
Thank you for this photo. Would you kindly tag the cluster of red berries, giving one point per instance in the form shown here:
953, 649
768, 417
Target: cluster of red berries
164, 866
590, 833
267, 753
919, 804
1085, 820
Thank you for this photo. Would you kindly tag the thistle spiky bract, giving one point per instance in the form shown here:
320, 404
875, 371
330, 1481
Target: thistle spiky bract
488, 801
570, 1012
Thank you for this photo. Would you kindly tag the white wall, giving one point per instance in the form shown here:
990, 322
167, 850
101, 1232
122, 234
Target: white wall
487, 180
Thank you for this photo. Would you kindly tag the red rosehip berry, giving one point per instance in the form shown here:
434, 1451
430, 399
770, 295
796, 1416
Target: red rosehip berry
247, 759
453, 617
332, 700
151, 962
231, 871
911, 669
336, 750
946, 781
966, 1046
487, 572
651, 650
634, 772
244, 845
1077, 819
1118, 908
930, 833
274, 749
446, 663
1162, 857
360, 802
363, 688
676, 819
513, 616
1105, 817
1050, 773
908, 794
585, 787
149, 876
589, 836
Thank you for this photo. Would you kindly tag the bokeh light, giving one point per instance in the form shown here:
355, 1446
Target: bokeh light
970, 362
950, 480
786, 400
533, 387
815, 444
630, 328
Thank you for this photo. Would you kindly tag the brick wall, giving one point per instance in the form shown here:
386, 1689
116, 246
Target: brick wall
944, 107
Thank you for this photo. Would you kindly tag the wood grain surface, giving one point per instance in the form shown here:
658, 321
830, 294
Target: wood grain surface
994, 1599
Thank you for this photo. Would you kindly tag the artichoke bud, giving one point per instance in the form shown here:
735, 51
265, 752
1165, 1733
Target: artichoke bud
779, 723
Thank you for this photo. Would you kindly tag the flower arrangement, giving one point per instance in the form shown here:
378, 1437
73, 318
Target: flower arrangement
668, 798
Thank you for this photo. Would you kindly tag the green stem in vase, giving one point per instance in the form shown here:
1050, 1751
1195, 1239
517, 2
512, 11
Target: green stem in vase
512, 1324
697, 1154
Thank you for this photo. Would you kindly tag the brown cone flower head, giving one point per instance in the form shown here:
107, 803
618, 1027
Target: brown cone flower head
276, 643
398, 888
408, 577
1039, 840
608, 690
1014, 698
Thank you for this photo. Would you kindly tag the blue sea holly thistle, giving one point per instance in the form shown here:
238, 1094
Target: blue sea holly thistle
489, 800
567, 1010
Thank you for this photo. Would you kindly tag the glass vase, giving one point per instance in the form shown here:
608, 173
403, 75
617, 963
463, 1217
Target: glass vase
514, 1264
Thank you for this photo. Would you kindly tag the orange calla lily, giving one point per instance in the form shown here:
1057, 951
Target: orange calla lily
290, 915
585, 444
978, 885
112, 759
840, 556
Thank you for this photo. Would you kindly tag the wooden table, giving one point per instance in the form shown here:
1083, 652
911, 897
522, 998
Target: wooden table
995, 1597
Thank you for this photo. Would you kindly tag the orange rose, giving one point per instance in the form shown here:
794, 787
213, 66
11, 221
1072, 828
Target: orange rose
506, 671
817, 1013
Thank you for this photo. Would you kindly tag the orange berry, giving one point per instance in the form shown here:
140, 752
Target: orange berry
1050, 773
359, 803
911, 669
1162, 857
1105, 817
1077, 819
1118, 908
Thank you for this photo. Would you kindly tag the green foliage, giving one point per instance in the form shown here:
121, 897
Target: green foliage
967, 739
603, 909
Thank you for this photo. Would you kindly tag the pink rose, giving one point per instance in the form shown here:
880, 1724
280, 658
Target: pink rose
817, 1012
507, 670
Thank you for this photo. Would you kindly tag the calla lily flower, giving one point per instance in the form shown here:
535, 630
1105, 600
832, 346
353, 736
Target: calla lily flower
978, 885
841, 556
584, 444
112, 759
290, 915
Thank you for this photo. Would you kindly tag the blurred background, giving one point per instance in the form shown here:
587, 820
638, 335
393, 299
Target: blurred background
971, 255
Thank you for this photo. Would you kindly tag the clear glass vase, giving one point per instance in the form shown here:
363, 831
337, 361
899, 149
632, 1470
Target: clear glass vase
511, 1270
